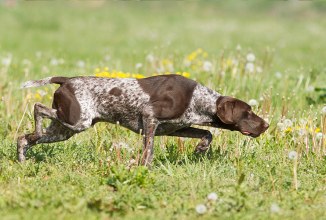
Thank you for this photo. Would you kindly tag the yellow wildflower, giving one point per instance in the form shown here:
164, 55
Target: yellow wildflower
167, 73
288, 130
97, 70
199, 50
106, 68
139, 76
29, 96
49, 97
205, 54
46, 89
37, 96
128, 74
193, 67
229, 62
317, 130
133, 75
154, 74
199, 63
186, 74
178, 73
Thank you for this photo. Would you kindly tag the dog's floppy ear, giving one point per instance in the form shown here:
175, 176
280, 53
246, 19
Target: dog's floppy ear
225, 110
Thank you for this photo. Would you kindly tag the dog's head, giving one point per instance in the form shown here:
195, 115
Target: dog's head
238, 115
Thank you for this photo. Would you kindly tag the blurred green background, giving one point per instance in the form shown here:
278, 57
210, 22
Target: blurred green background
81, 30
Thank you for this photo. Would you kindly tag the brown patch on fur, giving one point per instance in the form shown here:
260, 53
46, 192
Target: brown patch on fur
68, 108
115, 91
170, 95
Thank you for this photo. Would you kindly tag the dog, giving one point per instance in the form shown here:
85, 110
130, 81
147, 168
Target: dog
155, 106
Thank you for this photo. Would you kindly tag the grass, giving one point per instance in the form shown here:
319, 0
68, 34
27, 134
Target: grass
94, 175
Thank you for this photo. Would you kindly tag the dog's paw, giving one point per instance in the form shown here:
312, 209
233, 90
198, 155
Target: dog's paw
202, 146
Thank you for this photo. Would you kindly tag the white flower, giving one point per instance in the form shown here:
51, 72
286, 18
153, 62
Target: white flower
301, 132
207, 66
54, 62
324, 110
281, 126
288, 123
187, 63
138, 65
41, 92
319, 135
293, 155
212, 196
45, 69
238, 47
6, 61
250, 57
278, 75
80, 64
266, 119
250, 67
275, 208
310, 89
201, 209
222, 74
38, 54
253, 102
107, 57
150, 58
259, 69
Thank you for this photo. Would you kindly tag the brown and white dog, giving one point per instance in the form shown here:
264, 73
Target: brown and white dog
159, 105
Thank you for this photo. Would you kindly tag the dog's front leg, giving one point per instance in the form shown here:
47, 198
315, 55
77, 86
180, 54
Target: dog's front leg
149, 125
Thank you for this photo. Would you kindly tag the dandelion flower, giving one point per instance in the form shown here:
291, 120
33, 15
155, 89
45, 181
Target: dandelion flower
253, 102
80, 64
293, 155
301, 132
238, 47
250, 57
207, 66
281, 126
54, 62
107, 57
250, 67
259, 69
212, 196
138, 65
324, 110
150, 58
288, 123
45, 69
319, 135
6, 61
38, 54
278, 75
201, 209
310, 89
274, 208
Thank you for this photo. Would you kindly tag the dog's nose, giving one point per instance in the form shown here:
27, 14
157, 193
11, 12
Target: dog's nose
266, 125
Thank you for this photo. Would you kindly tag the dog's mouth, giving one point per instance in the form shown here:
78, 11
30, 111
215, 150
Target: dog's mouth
247, 133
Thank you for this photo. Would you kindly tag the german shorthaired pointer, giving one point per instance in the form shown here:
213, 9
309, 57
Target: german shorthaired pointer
159, 105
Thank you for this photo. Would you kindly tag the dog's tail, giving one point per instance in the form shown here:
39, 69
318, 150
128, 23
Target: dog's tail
50, 80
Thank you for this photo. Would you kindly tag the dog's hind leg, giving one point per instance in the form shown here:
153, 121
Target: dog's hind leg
54, 133
206, 137
41, 111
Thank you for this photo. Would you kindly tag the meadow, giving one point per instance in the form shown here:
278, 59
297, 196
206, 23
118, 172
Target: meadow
271, 55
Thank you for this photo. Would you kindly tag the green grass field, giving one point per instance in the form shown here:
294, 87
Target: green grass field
274, 53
